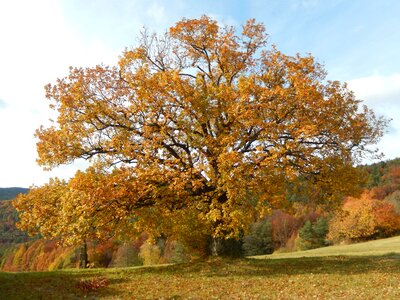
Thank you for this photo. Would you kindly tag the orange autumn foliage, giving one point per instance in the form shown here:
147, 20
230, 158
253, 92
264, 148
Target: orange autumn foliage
283, 227
40, 255
364, 218
391, 183
206, 121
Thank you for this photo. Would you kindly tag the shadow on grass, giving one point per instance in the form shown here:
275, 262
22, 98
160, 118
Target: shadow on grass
53, 285
64, 284
288, 266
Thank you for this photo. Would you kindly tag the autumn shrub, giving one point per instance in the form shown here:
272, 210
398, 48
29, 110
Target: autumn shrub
176, 252
258, 241
388, 221
34, 258
71, 259
100, 254
43, 255
283, 227
355, 222
290, 243
394, 199
3, 254
62, 258
38, 255
6, 255
16, 262
126, 255
364, 218
150, 253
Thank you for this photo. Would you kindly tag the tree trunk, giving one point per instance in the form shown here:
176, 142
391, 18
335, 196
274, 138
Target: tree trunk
226, 247
83, 257
216, 247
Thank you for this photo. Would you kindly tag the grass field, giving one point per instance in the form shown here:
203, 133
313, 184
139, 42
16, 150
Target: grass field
371, 276
371, 248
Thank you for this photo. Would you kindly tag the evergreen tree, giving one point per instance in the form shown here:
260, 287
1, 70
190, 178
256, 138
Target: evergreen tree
259, 239
313, 235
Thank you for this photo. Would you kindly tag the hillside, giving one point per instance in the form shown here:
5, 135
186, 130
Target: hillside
8, 216
12, 192
9, 233
370, 248
377, 172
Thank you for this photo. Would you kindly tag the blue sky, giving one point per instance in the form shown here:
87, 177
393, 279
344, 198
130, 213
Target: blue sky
358, 41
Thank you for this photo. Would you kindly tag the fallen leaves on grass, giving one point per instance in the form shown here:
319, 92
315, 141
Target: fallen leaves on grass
87, 285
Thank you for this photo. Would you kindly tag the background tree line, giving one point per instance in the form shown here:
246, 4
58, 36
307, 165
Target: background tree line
303, 228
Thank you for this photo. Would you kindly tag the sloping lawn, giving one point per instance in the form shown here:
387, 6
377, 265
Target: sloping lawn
360, 271
365, 277
371, 248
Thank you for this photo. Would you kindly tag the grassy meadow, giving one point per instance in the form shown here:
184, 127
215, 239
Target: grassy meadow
336, 273
371, 248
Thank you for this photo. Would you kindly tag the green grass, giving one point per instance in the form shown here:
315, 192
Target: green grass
370, 276
371, 248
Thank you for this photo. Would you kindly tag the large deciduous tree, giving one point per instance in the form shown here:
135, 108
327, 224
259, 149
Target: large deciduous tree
206, 120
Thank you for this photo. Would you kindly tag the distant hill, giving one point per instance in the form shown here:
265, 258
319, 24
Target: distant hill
376, 172
8, 216
12, 192
9, 233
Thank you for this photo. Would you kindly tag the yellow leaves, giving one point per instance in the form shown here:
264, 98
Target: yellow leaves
363, 217
214, 215
203, 117
130, 56
200, 33
307, 130
254, 30
39, 209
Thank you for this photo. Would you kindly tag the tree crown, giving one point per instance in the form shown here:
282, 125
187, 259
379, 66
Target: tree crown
207, 119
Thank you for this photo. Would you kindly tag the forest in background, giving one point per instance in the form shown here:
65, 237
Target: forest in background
11, 192
372, 215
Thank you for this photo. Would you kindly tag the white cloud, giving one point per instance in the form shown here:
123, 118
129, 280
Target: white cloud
378, 89
382, 94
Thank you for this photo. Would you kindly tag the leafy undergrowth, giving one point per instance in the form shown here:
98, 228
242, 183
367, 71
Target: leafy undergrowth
337, 277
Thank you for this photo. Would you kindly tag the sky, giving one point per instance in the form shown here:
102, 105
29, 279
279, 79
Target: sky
357, 41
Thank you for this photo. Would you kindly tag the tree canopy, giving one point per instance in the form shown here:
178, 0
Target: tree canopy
204, 121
